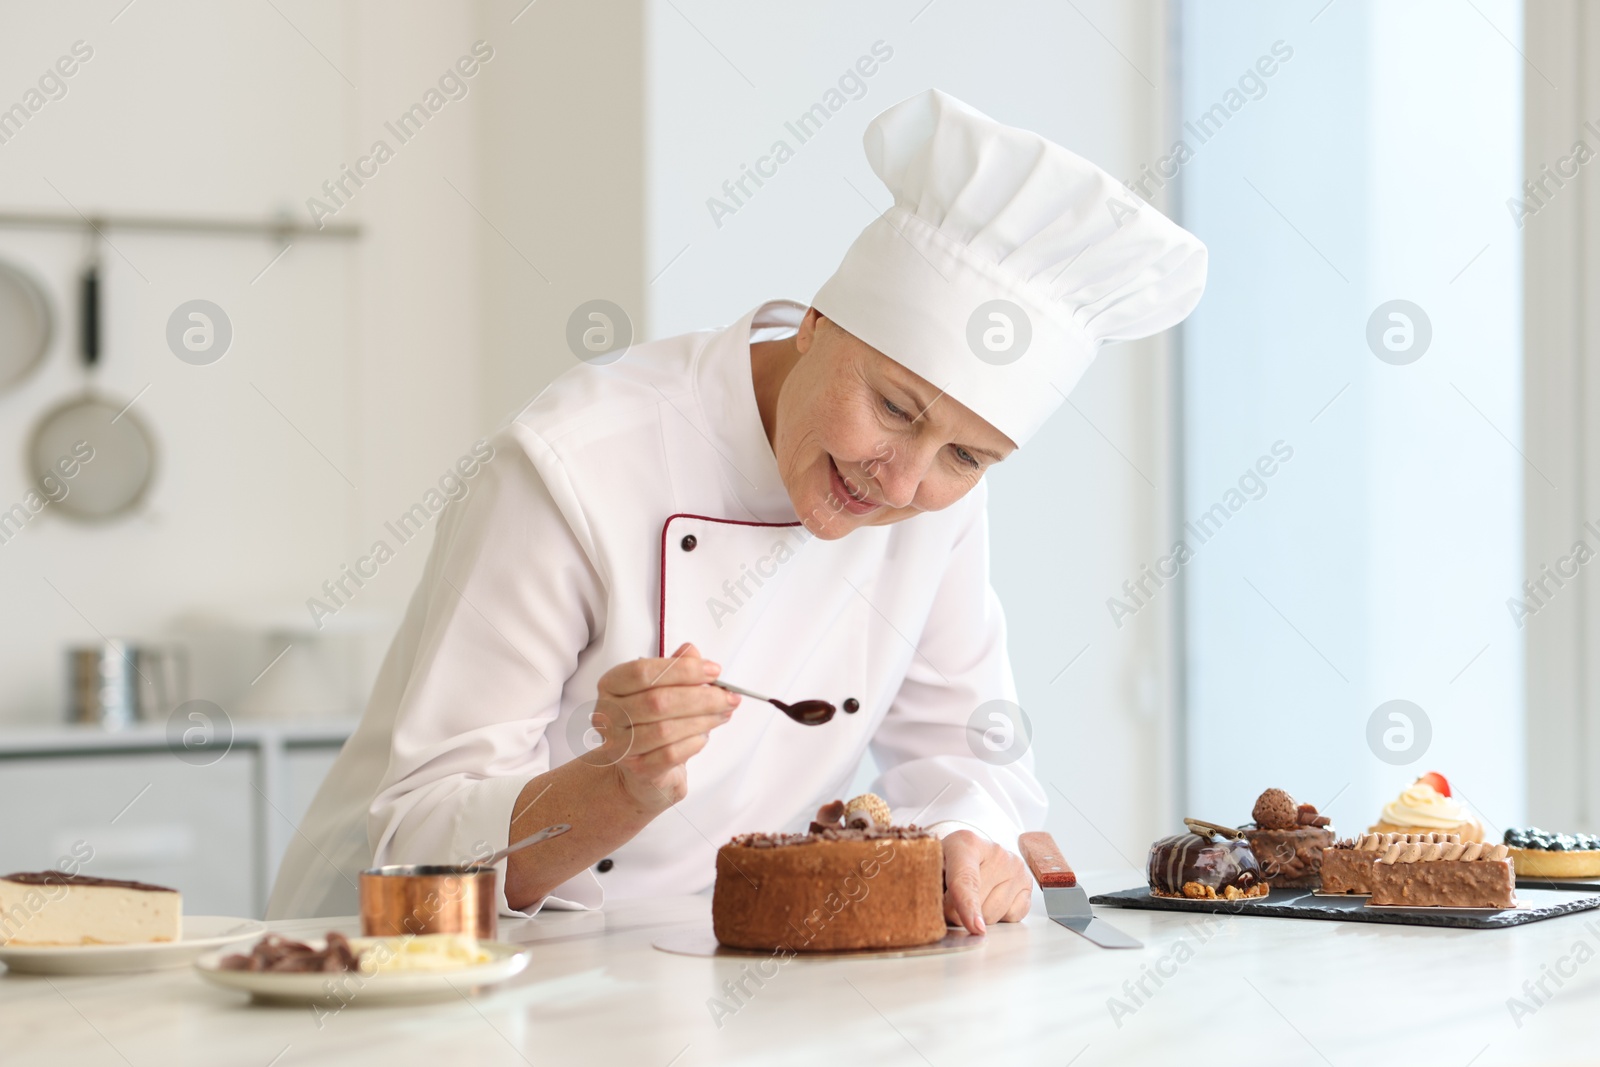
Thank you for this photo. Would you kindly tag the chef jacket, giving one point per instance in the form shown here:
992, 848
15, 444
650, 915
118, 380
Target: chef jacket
630, 507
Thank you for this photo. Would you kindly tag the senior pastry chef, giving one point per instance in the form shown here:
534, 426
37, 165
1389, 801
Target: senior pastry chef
794, 503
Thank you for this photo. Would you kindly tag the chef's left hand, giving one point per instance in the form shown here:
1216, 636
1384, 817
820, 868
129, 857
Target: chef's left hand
983, 883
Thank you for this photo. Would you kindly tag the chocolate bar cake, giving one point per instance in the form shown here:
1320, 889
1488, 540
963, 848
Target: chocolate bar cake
1347, 865
1453, 874
853, 882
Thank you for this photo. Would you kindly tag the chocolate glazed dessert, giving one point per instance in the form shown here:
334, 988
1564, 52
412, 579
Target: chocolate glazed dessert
1210, 862
1287, 838
853, 882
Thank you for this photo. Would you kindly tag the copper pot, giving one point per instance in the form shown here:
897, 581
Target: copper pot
420, 898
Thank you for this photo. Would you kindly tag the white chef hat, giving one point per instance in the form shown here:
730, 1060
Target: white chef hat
986, 213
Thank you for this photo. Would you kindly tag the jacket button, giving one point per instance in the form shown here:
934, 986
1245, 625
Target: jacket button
604, 865
688, 542
852, 705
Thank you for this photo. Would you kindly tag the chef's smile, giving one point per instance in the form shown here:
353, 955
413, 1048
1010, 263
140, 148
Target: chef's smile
853, 497
859, 439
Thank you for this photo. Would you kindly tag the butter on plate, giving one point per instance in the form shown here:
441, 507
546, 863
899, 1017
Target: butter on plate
418, 953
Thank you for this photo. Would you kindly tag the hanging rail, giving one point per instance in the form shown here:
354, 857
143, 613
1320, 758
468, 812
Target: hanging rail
281, 228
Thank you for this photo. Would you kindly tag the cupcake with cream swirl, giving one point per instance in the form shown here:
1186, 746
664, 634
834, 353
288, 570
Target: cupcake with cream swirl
1425, 805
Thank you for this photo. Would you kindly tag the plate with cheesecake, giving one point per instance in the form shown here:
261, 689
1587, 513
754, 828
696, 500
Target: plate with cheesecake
1423, 862
56, 923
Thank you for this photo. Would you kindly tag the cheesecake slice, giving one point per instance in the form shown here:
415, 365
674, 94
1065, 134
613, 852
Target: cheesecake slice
53, 908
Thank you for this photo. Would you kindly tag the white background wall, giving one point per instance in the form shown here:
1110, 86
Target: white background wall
581, 161
1070, 516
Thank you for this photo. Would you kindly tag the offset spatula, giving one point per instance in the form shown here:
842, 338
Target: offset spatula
1064, 899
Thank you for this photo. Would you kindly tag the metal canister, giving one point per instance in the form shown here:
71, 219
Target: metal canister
102, 687
117, 683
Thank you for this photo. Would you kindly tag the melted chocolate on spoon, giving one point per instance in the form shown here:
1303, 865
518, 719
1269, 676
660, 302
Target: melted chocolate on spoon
808, 712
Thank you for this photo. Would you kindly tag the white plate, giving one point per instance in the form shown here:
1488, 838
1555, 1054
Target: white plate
201, 934
349, 988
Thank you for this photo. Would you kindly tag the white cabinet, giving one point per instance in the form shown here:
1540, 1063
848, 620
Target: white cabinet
215, 832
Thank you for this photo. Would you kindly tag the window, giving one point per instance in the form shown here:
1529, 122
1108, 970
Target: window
1354, 472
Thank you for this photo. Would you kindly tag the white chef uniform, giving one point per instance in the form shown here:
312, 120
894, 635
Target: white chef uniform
570, 556
637, 505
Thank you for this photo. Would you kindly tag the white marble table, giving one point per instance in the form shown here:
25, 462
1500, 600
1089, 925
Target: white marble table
1235, 991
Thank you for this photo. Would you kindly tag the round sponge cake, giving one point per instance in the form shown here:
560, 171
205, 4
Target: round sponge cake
830, 890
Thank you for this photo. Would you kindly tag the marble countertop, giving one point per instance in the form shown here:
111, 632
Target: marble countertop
1232, 990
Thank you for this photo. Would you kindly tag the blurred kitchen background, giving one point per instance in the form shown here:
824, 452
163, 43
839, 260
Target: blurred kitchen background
1397, 327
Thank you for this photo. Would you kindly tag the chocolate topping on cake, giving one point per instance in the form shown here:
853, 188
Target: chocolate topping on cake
1276, 810
888, 833
63, 878
1210, 830
829, 817
1307, 814
865, 812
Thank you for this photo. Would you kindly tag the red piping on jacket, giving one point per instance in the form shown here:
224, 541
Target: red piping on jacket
661, 618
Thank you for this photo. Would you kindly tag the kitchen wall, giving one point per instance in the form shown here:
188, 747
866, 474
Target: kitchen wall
577, 166
354, 377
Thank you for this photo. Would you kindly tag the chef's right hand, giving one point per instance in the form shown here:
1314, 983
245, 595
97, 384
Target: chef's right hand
653, 714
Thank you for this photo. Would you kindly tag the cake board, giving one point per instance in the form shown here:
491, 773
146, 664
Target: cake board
700, 941
1535, 904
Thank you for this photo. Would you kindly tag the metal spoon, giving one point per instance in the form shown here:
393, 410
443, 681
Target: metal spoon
807, 712
543, 835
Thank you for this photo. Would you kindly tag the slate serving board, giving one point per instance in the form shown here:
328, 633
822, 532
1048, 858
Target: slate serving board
1304, 904
1531, 881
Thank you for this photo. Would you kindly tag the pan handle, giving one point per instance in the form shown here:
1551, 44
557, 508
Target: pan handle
90, 325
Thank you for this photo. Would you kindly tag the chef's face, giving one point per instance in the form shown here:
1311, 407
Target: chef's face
861, 441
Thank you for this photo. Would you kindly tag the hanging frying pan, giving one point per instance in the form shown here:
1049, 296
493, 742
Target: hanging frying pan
25, 324
121, 453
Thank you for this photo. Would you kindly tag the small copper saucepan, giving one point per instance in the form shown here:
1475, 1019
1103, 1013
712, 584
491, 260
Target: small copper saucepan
425, 898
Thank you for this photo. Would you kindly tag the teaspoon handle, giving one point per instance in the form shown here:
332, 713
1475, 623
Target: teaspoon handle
543, 835
730, 687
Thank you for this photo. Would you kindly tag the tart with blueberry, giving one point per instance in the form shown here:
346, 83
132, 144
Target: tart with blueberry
1540, 854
